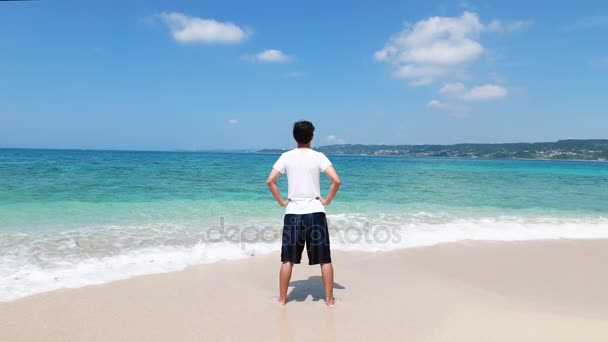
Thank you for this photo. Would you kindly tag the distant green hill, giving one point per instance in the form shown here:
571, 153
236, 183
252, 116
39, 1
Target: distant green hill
570, 149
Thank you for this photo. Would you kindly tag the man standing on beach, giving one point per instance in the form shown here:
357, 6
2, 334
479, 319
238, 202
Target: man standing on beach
304, 222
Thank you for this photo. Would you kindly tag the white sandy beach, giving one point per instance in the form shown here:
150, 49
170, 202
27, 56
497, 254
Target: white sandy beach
468, 291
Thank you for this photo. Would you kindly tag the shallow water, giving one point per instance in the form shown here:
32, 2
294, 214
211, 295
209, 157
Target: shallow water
73, 218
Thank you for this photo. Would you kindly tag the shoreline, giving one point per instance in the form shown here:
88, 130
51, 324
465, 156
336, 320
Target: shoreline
550, 289
33, 280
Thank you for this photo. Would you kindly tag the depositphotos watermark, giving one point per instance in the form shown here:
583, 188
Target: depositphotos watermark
255, 233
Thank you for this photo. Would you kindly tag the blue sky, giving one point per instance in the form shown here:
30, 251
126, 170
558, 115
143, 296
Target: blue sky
162, 75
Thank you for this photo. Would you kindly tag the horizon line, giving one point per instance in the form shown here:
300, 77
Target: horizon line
253, 150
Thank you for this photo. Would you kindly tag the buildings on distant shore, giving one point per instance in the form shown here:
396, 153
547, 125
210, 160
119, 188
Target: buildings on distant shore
596, 149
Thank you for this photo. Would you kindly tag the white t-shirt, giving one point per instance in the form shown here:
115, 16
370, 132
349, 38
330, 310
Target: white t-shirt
303, 167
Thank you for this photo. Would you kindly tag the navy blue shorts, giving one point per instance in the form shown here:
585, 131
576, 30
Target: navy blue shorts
305, 229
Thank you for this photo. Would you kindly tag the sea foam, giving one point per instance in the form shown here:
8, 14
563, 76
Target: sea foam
36, 263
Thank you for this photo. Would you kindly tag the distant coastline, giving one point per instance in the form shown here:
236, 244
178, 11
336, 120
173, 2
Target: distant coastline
570, 149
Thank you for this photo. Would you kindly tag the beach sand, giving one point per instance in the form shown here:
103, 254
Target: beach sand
467, 291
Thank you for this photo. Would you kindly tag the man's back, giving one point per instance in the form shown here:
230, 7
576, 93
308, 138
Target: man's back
304, 223
303, 167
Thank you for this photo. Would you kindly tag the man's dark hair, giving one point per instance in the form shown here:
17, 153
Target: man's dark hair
303, 131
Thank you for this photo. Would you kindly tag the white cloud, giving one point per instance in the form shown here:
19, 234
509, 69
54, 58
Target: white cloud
484, 92
500, 26
439, 47
453, 89
233, 121
295, 74
432, 48
421, 74
436, 104
461, 96
334, 139
269, 56
453, 109
186, 29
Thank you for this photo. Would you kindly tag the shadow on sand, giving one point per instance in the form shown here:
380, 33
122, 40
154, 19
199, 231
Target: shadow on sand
313, 286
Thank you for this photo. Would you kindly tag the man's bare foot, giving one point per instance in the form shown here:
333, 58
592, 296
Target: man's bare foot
279, 300
331, 302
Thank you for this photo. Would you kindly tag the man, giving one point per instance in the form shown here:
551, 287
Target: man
304, 222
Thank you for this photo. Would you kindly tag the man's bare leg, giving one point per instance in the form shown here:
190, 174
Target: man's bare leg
327, 271
284, 278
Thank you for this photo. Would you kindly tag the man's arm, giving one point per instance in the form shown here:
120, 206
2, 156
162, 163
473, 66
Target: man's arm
331, 173
274, 189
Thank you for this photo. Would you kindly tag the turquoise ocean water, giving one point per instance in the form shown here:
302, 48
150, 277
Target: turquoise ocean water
74, 218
